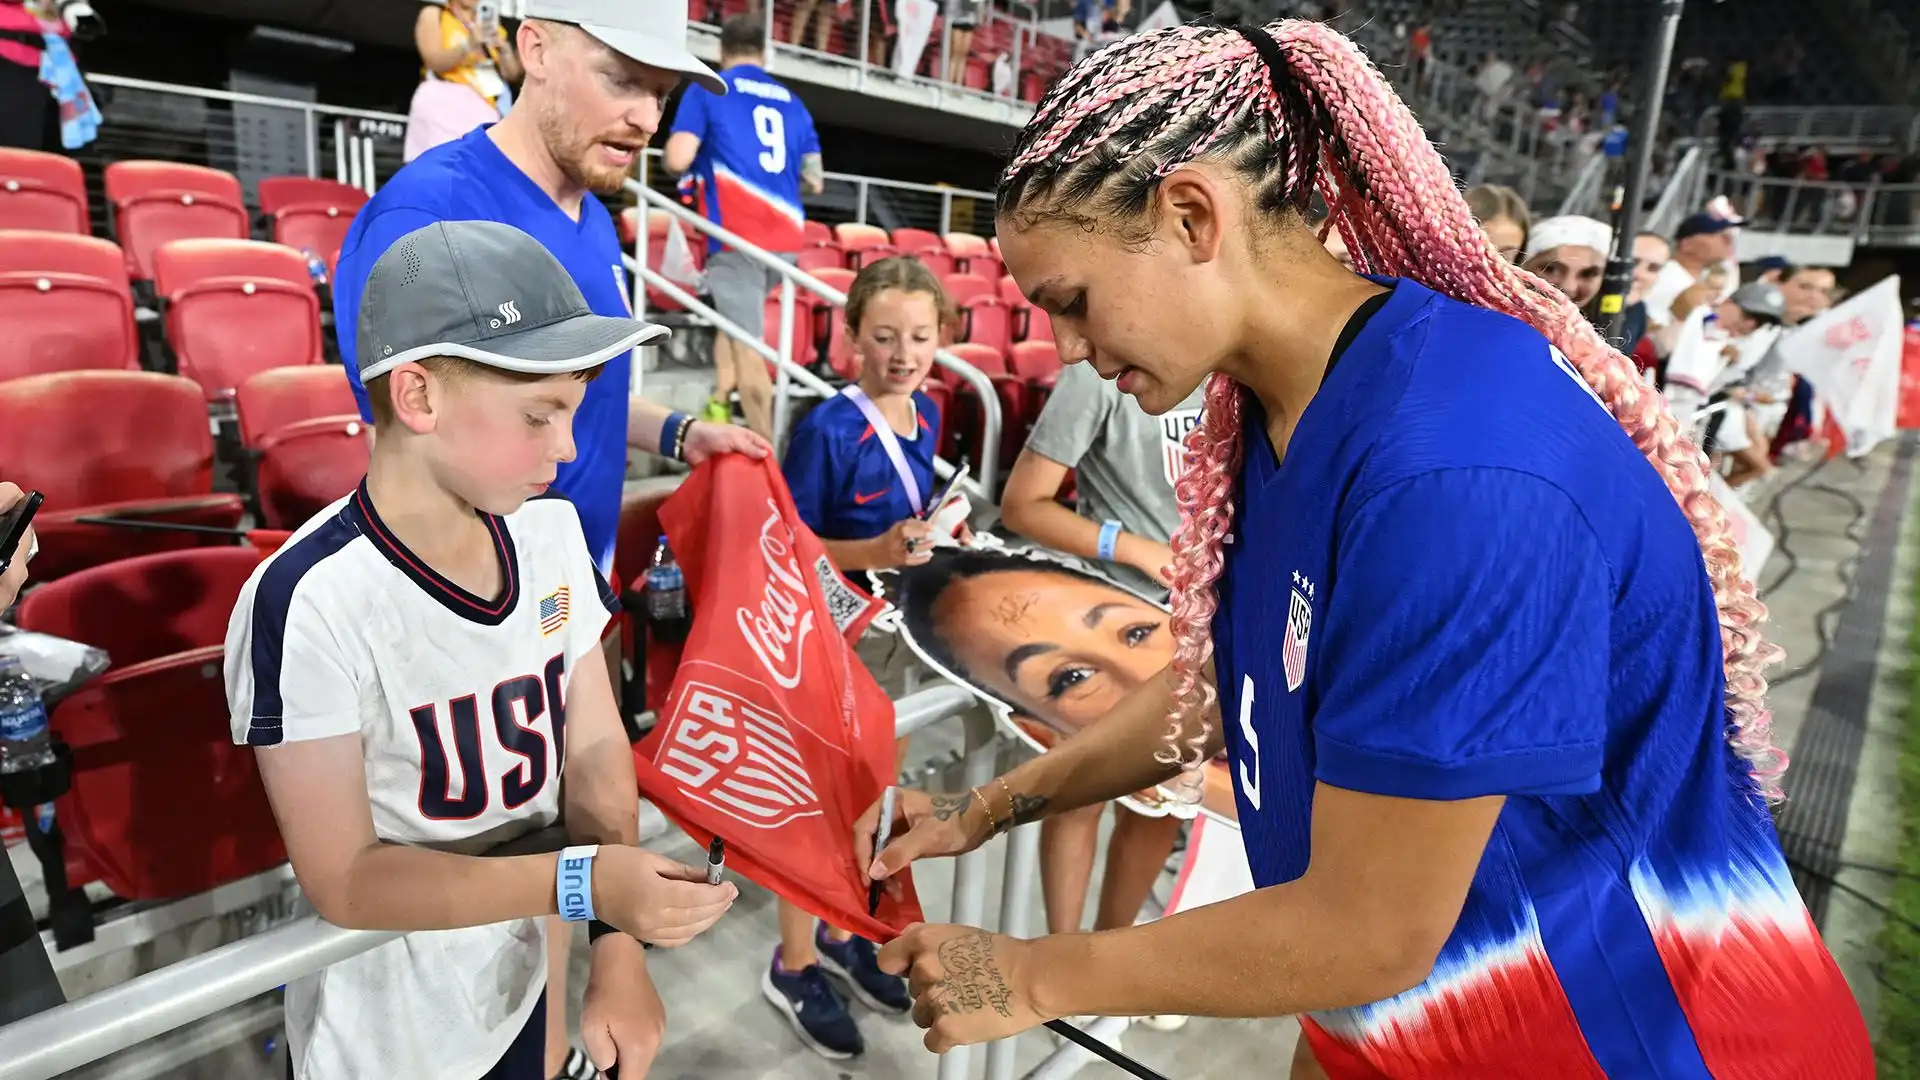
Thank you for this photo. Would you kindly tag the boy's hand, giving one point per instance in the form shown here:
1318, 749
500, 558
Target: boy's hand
654, 898
623, 1020
705, 440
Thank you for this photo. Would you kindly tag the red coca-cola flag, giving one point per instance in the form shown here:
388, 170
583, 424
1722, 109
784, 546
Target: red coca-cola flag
774, 736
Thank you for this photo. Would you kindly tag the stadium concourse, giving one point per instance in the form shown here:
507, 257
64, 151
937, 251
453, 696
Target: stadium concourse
170, 379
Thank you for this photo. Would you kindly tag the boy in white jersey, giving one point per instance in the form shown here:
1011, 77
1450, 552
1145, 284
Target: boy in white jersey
404, 665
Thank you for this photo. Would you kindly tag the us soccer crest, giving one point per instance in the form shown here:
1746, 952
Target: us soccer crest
1293, 652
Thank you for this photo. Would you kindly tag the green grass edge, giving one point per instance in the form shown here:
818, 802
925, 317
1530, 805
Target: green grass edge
1898, 1045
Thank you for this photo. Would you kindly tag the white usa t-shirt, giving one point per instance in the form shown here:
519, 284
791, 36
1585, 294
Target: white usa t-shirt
459, 702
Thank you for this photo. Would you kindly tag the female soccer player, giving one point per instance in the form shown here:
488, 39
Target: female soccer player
1451, 592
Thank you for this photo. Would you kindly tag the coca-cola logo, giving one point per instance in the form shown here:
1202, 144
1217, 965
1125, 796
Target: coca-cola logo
777, 628
1843, 335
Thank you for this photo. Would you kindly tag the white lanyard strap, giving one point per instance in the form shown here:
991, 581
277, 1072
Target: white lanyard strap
889, 440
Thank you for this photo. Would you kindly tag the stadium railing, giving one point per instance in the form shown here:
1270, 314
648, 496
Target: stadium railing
114, 1019
1895, 127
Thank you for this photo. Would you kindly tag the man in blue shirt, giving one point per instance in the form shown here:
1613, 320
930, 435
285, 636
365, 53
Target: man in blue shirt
598, 73
753, 149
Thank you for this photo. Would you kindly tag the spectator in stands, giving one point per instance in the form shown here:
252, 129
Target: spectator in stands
753, 149
33, 37
963, 16
1734, 431
1503, 216
15, 578
1807, 291
860, 467
1570, 253
1126, 464
466, 66
1702, 241
821, 15
1650, 254
593, 96
1772, 269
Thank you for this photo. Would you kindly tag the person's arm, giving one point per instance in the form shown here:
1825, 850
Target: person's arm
813, 169
15, 578
369, 238
1031, 507
438, 57
506, 59
646, 428
689, 128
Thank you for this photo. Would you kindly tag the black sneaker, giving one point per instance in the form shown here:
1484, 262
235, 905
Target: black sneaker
854, 964
814, 1008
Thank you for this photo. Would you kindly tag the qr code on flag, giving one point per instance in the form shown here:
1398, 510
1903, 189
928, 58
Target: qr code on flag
843, 601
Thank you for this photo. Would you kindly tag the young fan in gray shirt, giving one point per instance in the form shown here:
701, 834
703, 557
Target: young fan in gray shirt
1126, 462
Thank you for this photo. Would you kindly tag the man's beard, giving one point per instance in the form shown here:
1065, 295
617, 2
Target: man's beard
570, 154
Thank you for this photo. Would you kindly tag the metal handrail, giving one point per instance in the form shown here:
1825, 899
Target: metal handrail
985, 472
49, 1044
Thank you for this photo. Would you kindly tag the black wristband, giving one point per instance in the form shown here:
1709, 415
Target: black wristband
597, 930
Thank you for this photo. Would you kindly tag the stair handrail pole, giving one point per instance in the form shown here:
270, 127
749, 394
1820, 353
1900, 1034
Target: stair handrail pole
1653, 86
986, 469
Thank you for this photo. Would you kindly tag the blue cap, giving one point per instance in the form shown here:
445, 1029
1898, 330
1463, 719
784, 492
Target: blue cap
1705, 224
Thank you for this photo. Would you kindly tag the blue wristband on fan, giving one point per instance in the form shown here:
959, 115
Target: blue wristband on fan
1109, 539
670, 433
573, 882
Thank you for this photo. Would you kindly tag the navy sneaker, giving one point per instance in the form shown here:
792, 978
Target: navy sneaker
854, 964
814, 1008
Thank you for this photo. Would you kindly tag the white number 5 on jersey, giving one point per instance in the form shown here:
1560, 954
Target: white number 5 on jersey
1249, 777
771, 127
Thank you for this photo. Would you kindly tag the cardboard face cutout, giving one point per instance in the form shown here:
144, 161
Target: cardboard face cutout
1050, 647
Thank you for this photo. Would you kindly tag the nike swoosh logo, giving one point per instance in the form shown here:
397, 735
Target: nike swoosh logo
862, 500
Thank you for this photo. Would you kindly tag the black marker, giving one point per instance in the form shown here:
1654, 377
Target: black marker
716, 860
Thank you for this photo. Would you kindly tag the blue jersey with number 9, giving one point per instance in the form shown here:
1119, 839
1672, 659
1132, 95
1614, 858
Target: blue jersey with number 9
752, 141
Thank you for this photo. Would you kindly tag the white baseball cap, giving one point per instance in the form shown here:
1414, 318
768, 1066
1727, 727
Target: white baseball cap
654, 32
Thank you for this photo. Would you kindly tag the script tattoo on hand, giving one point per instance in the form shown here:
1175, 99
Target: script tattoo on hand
973, 981
948, 807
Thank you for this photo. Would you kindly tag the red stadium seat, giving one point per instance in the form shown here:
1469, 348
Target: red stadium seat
132, 444
305, 466
318, 228
863, 244
964, 287
826, 256
157, 201
658, 224
1036, 362
984, 320
279, 192
971, 255
918, 240
42, 191
817, 232
806, 349
935, 259
279, 397
64, 305
155, 726
236, 308
1009, 390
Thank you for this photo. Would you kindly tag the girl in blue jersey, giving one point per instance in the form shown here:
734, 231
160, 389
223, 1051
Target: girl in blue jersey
860, 467
1450, 591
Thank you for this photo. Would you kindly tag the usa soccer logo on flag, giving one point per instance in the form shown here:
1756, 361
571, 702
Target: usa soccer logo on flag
553, 611
1293, 652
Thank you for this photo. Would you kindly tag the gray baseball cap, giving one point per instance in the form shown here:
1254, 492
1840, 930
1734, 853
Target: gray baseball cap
1761, 300
653, 32
485, 292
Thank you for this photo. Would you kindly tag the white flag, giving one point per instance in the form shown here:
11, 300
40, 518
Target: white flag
1851, 355
1750, 537
676, 262
915, 20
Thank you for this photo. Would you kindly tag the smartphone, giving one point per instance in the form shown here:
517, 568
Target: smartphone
13, 527
486, 16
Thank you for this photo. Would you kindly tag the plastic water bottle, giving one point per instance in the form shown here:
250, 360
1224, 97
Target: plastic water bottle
316, 267
668, 620
24, 742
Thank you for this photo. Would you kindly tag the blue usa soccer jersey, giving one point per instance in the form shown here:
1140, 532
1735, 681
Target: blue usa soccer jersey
751, 142
843, 482
1464, 581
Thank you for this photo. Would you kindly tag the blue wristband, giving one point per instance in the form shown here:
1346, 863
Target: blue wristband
670, 431
1109, 538
573, 882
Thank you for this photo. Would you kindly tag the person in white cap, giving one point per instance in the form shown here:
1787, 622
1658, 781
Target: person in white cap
1570, 253
598, 76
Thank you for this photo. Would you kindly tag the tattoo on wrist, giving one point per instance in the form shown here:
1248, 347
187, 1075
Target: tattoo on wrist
1028, 808
948, 807
972, 981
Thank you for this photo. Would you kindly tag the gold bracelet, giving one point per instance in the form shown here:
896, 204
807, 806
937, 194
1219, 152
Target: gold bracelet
1002, 781
992, 825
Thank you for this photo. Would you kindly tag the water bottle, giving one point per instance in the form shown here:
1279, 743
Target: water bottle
668, 619
24, 742
316, 267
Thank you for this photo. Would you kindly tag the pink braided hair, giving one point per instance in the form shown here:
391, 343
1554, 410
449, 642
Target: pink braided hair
1135, 111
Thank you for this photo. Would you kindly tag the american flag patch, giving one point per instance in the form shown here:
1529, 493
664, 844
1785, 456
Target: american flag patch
553, 611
